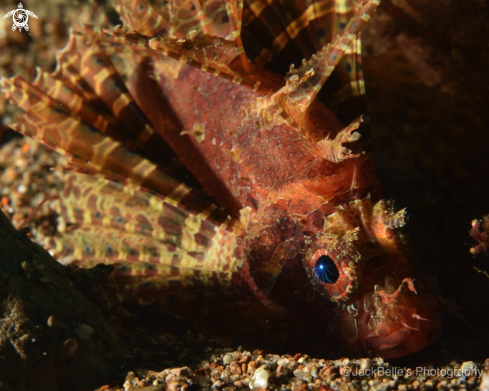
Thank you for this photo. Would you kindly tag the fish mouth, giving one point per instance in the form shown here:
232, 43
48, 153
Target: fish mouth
402, 342
394, 323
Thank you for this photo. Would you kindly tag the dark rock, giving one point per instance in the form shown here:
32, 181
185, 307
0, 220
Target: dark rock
43, 306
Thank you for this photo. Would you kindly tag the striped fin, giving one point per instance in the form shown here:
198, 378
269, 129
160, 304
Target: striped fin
303, 84
143, 17
178, 18
97, 36
71, 78
47, 121
278, 33
126, 200
349, 69
145, 257
194, 55
214, 24
211, 51
100, 98
109, 125
77, 104
306, 24
94, 66
235, 12
152, 235
292, 30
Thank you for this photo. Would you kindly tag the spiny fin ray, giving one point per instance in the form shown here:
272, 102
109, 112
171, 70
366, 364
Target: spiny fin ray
47, 121
193, 52
334, 150
303, 84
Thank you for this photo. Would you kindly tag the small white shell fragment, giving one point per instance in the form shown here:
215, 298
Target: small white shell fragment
260, 379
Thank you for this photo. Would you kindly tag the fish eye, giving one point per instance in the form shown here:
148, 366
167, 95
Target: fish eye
326, 270
333, 275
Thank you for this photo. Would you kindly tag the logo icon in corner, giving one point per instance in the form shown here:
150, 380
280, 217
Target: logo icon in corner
20, 17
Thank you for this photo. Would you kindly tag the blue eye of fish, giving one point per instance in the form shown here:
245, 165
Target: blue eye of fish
326, 270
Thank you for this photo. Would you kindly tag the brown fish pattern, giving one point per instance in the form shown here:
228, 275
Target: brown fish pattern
205, 170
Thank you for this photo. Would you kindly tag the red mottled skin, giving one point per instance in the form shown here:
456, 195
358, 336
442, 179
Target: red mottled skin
272, 155
291, 189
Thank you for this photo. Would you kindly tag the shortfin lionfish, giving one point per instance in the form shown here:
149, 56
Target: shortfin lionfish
206, 174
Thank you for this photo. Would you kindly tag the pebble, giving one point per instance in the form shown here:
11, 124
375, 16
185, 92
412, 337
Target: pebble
223, 370
85, 331
69, 348
51, 322
260, 379
228, 358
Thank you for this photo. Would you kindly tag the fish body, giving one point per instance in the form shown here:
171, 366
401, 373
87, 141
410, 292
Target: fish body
296, 216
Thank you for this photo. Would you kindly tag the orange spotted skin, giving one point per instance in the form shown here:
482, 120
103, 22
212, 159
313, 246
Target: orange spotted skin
289, 203
287, 182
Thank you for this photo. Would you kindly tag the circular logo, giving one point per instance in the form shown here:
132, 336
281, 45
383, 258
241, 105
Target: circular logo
21, 18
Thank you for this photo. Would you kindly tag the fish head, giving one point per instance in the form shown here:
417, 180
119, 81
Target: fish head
360, 260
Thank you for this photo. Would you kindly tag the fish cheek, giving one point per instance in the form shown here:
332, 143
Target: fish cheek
286, 227
275, 240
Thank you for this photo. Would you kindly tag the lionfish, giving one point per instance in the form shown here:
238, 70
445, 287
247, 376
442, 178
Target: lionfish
206, 177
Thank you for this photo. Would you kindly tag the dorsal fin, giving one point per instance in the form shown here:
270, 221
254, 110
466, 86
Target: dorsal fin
177, 18
195, 52
304, 83
217, 22
143, 17
273, 25
349, 70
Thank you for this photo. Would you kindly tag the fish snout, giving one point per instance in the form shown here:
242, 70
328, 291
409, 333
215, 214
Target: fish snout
391, 324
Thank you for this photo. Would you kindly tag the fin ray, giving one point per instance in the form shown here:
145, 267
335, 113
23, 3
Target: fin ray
303, 84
